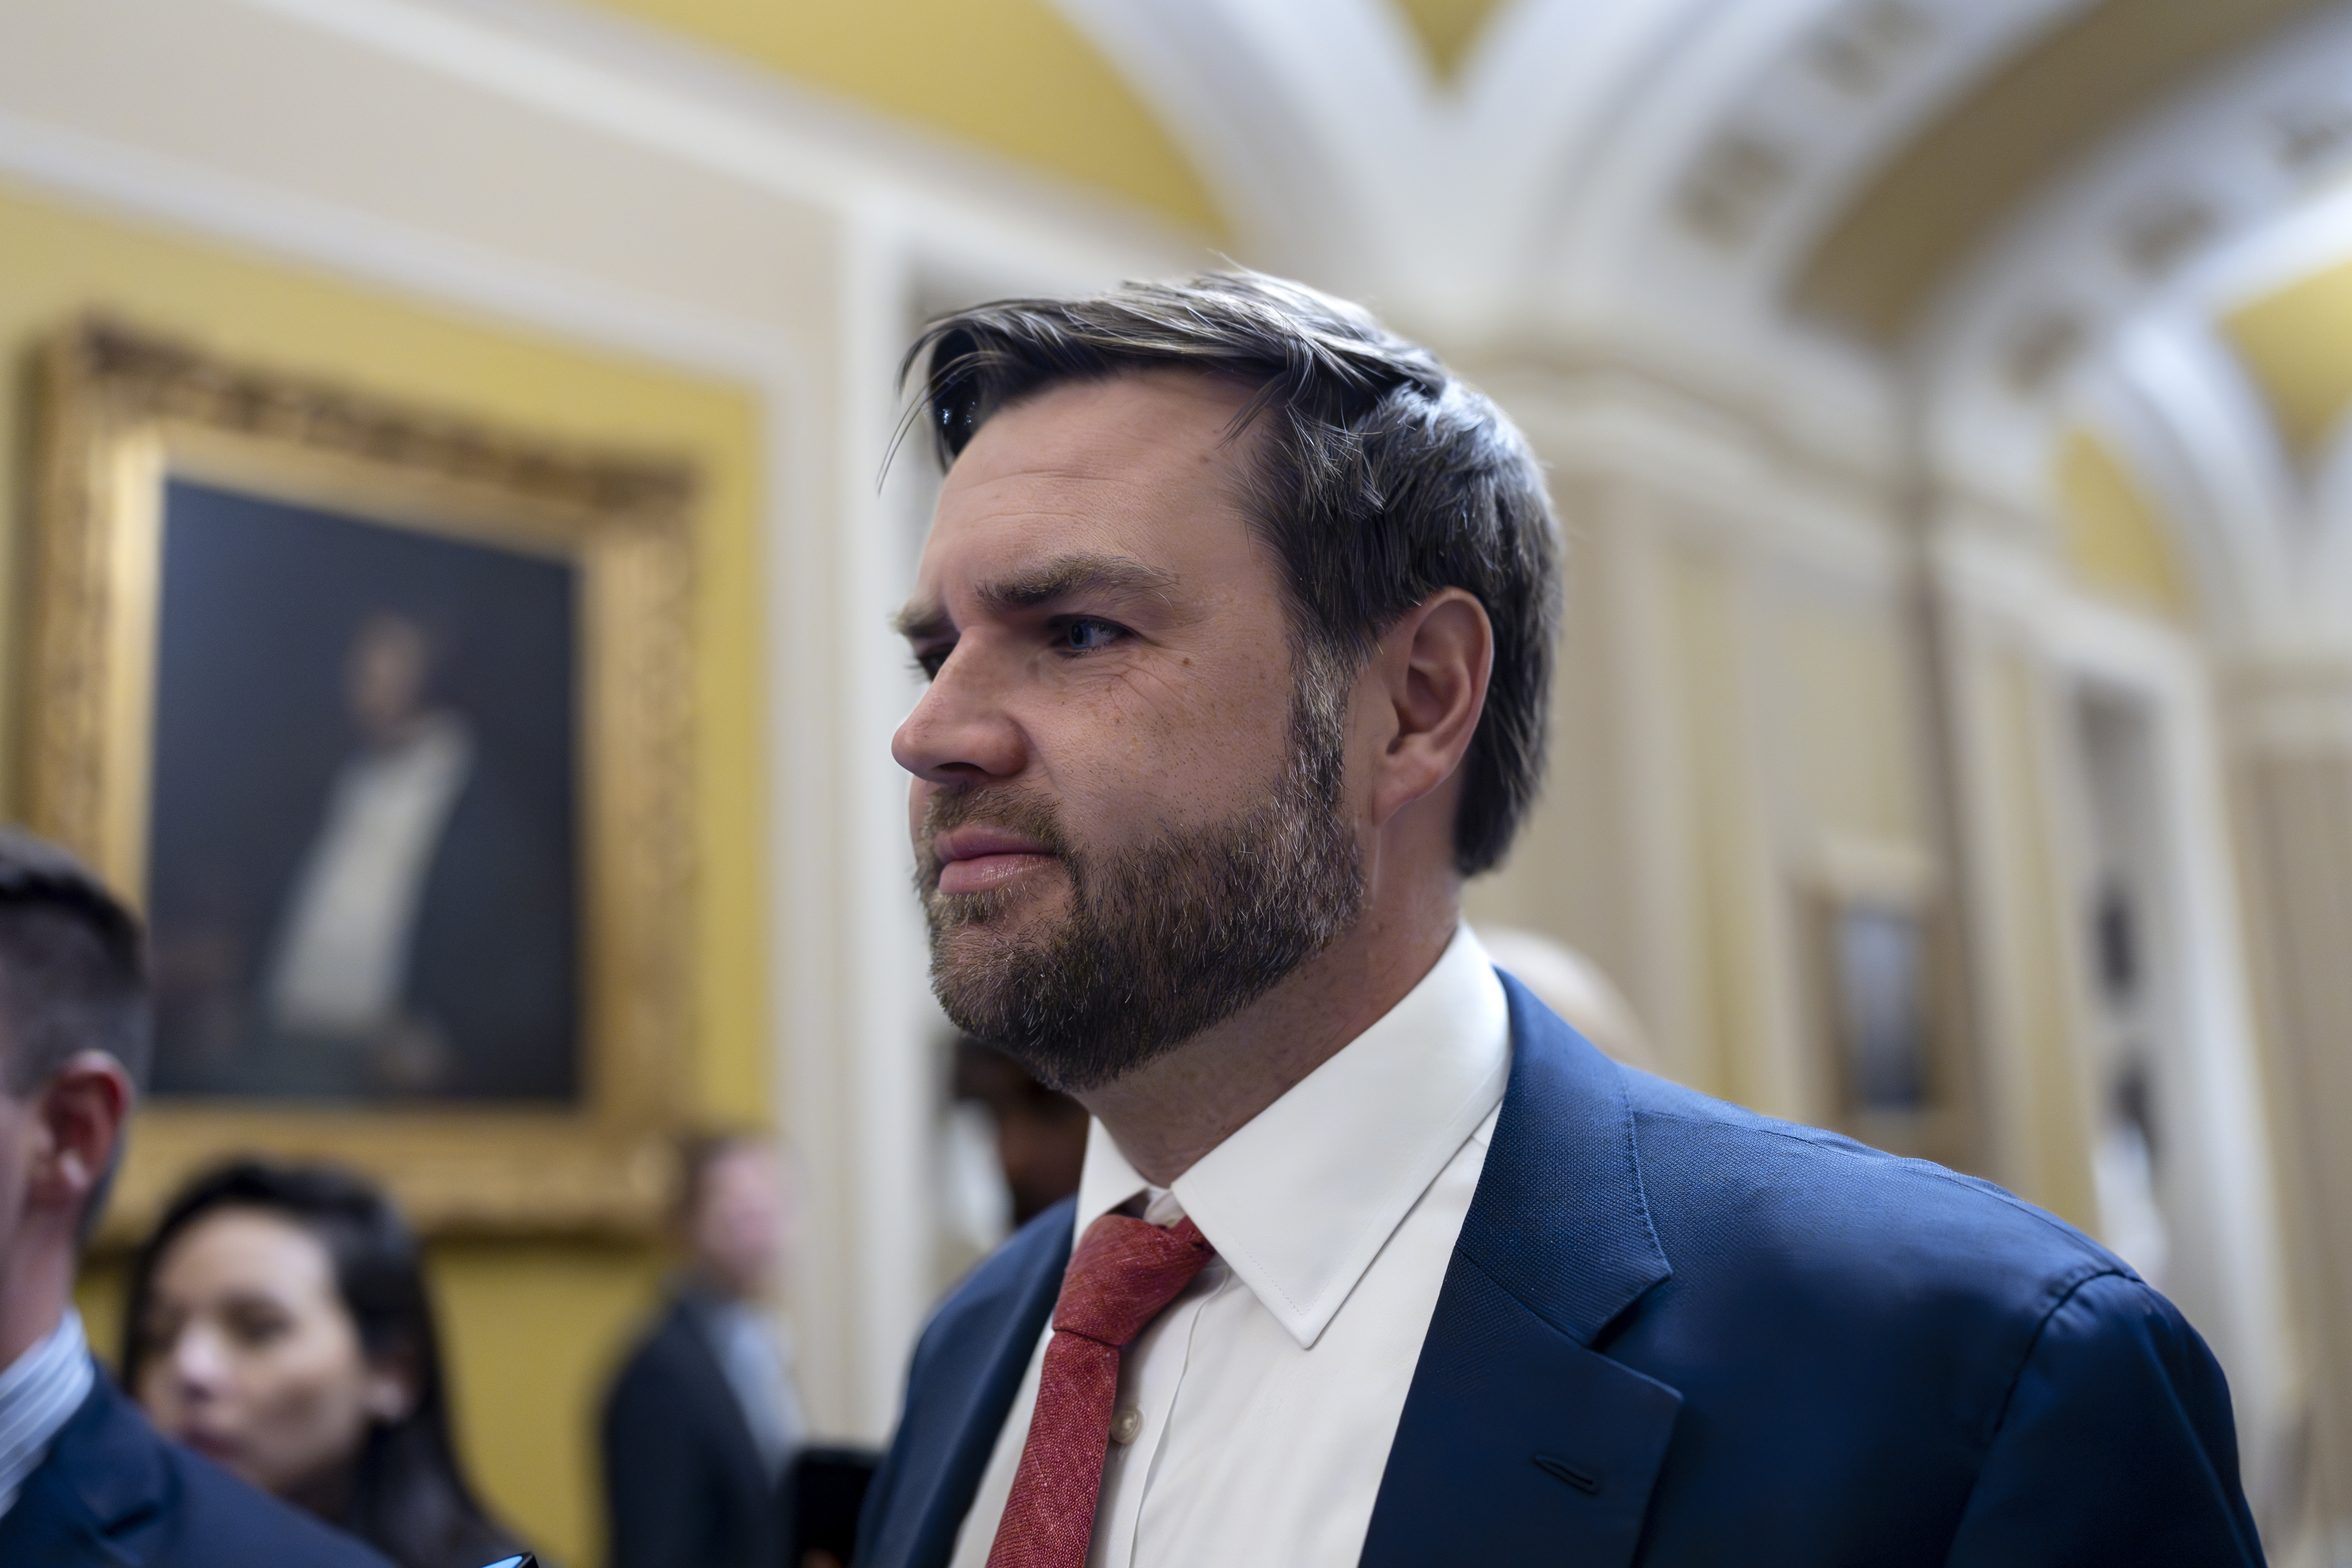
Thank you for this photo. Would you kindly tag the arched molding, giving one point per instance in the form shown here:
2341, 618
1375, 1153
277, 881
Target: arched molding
1306, 119
1587, 159
1951, 187
1737, 153
2103, 300
2196, 435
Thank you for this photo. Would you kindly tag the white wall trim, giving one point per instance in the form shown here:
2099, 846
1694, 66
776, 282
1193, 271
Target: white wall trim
654, 90
142, 186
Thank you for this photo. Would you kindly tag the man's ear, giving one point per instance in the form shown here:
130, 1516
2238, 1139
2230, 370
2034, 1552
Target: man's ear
1429, 679
81, 1112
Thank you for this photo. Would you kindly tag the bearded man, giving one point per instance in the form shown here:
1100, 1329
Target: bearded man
1238, 612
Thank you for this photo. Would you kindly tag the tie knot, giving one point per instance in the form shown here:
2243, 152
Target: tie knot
1123, 1272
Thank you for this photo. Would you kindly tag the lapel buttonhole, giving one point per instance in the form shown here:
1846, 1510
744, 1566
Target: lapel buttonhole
1560, 1469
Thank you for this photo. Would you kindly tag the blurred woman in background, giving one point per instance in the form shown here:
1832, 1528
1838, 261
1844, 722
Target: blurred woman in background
279, 1324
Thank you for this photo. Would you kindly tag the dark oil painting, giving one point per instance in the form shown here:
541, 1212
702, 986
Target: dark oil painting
364, 867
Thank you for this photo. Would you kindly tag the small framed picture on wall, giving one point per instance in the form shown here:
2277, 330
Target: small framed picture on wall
1879, 1000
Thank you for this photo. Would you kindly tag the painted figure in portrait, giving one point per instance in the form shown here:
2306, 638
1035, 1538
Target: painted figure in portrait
363, 869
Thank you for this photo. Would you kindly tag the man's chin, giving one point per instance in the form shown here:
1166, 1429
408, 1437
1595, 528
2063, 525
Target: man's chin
968, 942
1001, 914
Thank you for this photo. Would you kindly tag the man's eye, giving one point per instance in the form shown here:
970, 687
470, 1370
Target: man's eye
1085, 635
930, 660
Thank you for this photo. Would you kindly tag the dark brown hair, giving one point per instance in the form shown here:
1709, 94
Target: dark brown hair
73, 967
1381, 478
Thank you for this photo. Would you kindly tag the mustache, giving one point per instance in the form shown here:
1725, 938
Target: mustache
1016, 811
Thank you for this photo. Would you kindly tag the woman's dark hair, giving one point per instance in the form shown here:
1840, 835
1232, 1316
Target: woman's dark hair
409, 1498
1381, 478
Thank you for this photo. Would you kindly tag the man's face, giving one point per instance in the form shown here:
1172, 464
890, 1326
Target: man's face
1129, 814
742, 1220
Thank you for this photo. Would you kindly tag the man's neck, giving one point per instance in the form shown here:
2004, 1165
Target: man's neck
34, 1287
1171, 1112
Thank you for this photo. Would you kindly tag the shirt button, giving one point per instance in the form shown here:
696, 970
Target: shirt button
1126, 1425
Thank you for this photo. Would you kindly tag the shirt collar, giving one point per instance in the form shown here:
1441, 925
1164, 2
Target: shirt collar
39, 1392
1301, 1199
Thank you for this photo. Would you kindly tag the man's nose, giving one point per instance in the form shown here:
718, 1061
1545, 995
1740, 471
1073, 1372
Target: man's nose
960, 729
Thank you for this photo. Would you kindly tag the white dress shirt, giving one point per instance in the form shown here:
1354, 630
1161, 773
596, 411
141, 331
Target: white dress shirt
1255, 1414
39, 1392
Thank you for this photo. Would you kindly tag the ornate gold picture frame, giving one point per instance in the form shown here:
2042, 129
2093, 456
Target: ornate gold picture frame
382, 718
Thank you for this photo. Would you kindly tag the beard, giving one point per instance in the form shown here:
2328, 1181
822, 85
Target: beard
1161, 939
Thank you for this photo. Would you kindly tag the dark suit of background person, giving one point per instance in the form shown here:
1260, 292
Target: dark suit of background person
684, 1485
1678, 1335
701, 1427
114, 1493
103, 1489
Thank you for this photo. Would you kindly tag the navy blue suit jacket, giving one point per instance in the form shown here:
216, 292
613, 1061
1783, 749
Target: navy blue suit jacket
113, 1494
1678, 1335
684, 1483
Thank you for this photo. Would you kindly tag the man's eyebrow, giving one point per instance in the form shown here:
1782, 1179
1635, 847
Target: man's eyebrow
920, 622
1069, 574
1056, 579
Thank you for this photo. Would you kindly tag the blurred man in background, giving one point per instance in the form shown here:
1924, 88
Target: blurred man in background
703, 1424
83, 1478
1041, 1133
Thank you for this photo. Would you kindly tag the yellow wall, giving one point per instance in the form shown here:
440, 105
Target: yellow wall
1011, 76
2293, 342
532, 1327
2116, 538
1448, 29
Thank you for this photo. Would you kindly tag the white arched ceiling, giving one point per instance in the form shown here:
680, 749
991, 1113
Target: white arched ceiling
2100, 306
1651, 178
1600, 179
1582, 147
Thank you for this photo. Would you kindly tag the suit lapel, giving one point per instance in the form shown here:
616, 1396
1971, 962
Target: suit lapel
1518, 1442
51, 1525
969, 1369
95, 1494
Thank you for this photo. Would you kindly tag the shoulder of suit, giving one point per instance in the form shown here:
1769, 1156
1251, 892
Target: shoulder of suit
142, 1491
1755, 1184
669, 1344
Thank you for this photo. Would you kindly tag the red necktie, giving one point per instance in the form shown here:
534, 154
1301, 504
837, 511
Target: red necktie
1124, 1271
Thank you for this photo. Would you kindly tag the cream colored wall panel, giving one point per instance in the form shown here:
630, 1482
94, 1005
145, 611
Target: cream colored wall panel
1739, 891
2037, 1130
1846, 722
1567, 875
2297, 828
2055, 1116
302, 111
